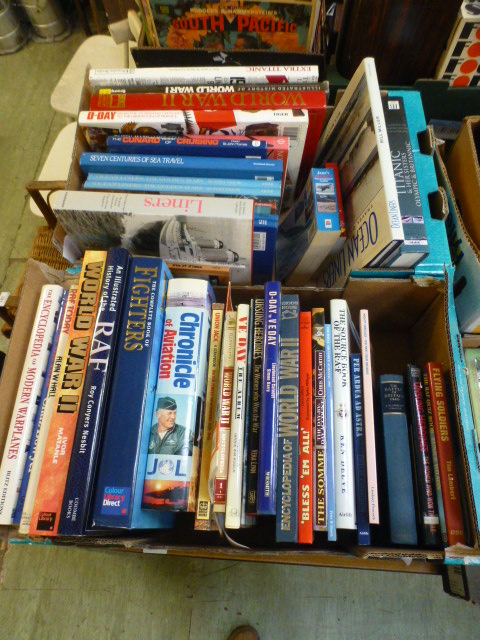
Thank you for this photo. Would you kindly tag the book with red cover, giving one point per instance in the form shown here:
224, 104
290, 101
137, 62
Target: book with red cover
312, 101
305, 463
446, 462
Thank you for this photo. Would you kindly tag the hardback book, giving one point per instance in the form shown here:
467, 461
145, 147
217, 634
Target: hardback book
181, 166
267, 463
117, 497
171, 475
433, 447
153, 76
305, 425
358, 420
58, 449
445, 451
40, 411
398, 465
204, 505
355, 138
202, 230
342, 411
218, 473
48, 410
233, 506
415, 246
319, 422
91, 414
472, 360
257, 320
330, 434
30, 387
247, 520
273, 26
288, 421
313, 229
291, 123
194, 146
426, 500
369, 417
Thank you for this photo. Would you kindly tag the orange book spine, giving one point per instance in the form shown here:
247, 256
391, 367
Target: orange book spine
446, 461
53, 476
305, 470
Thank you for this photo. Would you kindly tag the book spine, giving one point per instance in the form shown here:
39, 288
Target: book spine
344, 472
369, 413
48, 502
212, 146
305, 420
427, 511
131, 398
233, 508
433, 446
267, 465
256, 391
265, 232
288, 421
363, 525
204, 504
398, 465
319, 459
180, 396
330, 435
445, 451
40, 412
44, 427
223, 417
181, 166
26, 403
247, 519
202, 75
79, 484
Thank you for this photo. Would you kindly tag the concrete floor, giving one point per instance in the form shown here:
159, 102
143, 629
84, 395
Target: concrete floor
64, 593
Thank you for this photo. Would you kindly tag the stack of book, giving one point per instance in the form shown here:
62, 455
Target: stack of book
199, 162
142, 397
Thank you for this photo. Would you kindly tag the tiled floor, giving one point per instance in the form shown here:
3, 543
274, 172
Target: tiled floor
77, 593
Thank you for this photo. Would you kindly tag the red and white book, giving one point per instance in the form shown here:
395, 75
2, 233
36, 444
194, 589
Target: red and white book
233, 511
369, 416
305, 465
27, 400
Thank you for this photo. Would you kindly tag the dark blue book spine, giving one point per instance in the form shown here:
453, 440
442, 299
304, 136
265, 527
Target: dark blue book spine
288, 425
214, 146
78, 488
265, 232
130, 391
267, 468
203, 167
398, 466
39, 416
359, 449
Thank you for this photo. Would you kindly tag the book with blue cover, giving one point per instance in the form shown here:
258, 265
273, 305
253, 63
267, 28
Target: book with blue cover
182, 166
288, 421
17, 516
212, 146
398, 466
267, 465
359, 450
131, 401
179, 396
79, 485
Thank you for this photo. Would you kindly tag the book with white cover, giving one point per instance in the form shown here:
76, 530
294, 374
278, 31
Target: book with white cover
369, 416
26, 403
233, 510
356, 139
179, 229
342, 412
47, 414
157, 76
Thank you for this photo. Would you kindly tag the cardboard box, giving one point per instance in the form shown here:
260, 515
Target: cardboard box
410, 322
